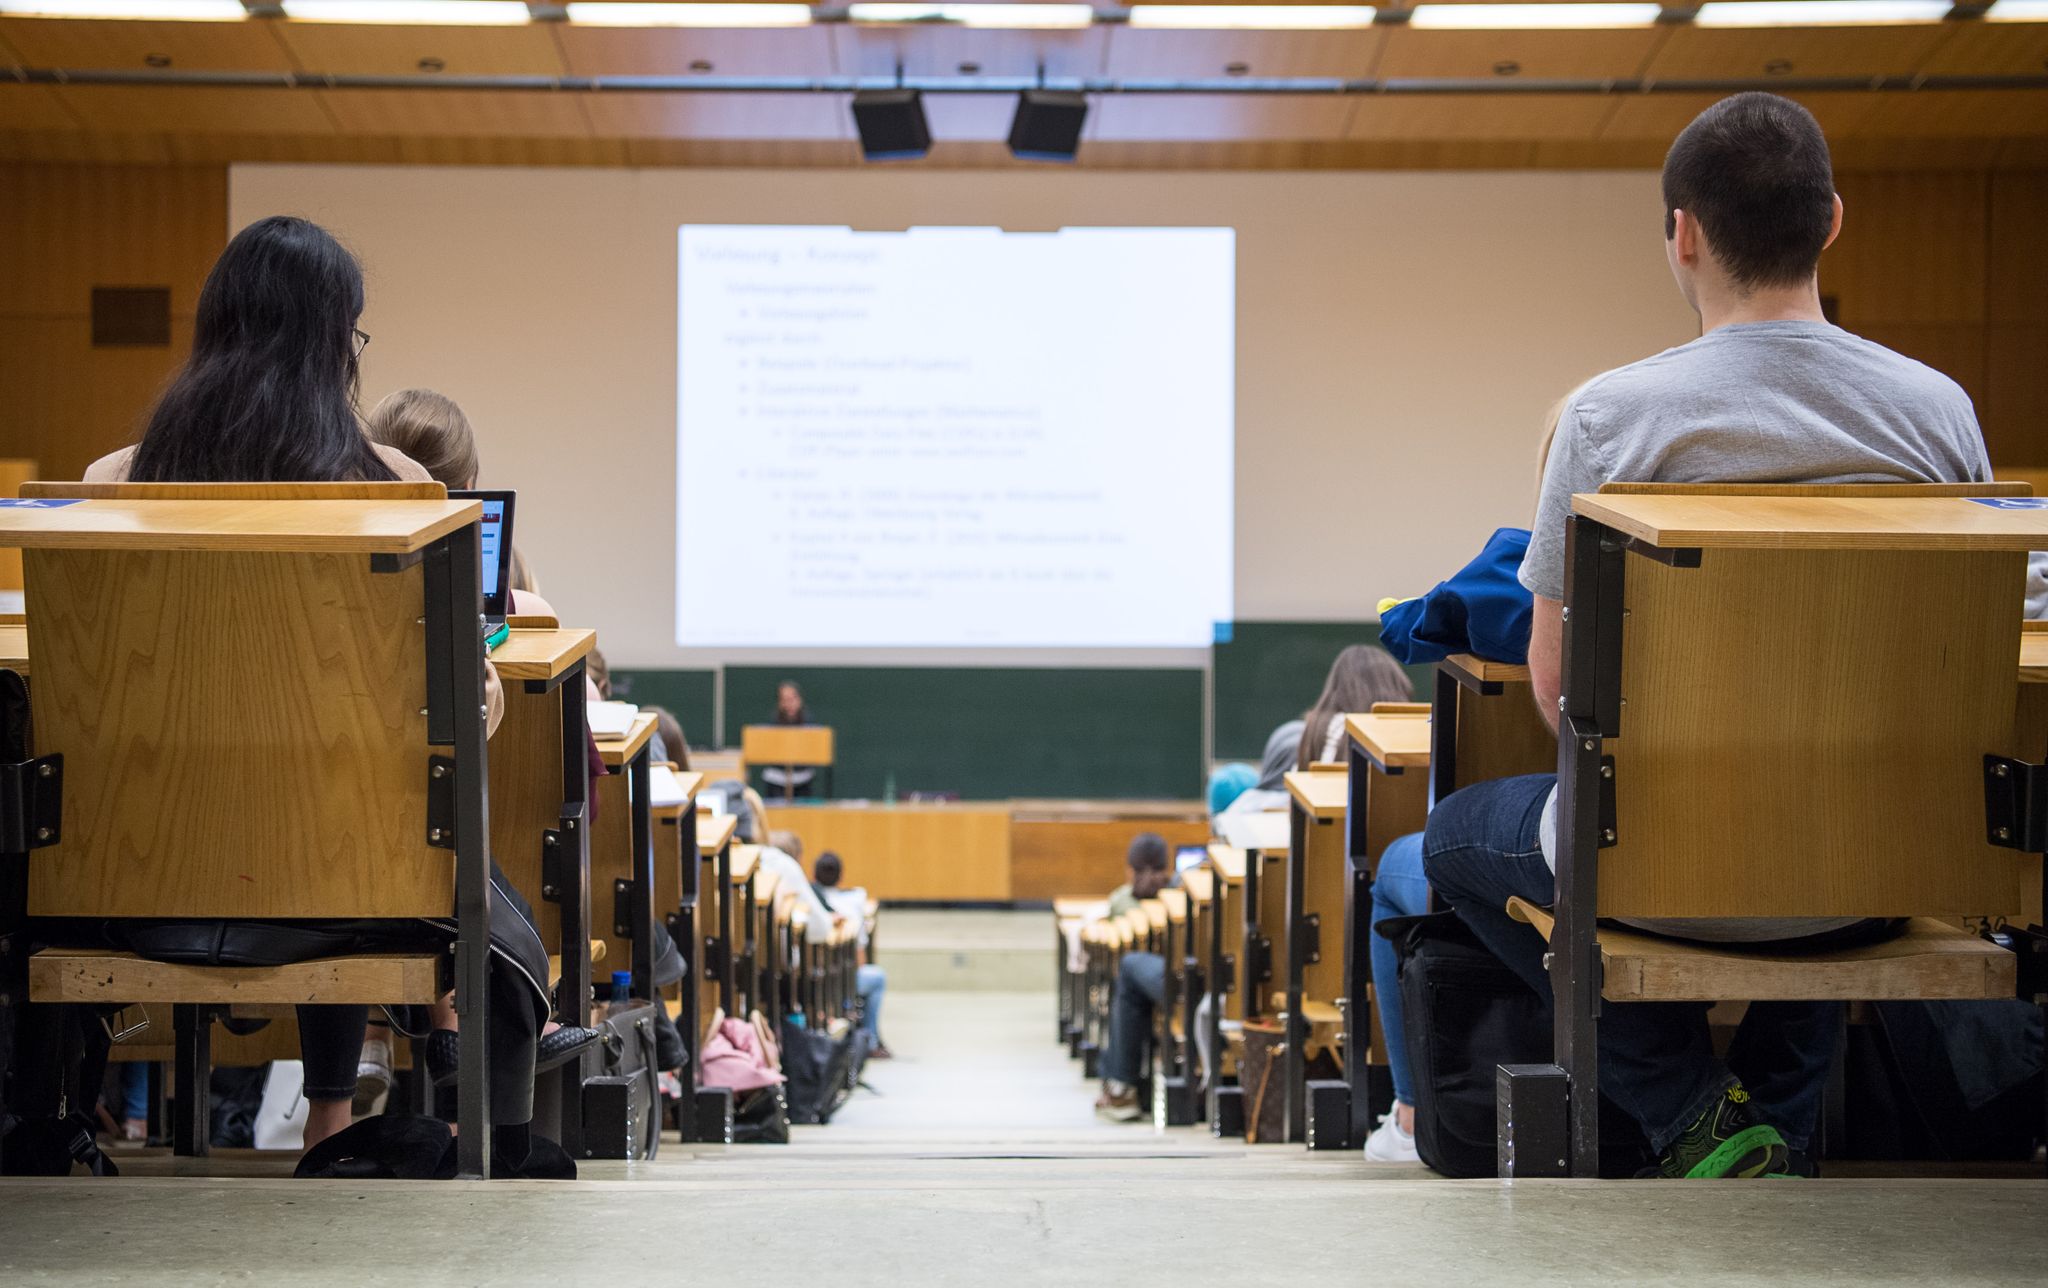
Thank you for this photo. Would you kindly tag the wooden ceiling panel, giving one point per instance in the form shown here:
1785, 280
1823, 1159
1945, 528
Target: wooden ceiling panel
972, 118
126, 45
1954, 113
1718, 53
185, 109
1506, 117
459, 113
1214, 117
1992, 49
1661, 116
354, 49
33, 107
627, 114
1146, 53
670, 51
1534, 55
944, 51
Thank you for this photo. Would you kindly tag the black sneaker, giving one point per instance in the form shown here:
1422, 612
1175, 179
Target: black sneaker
1726, 1142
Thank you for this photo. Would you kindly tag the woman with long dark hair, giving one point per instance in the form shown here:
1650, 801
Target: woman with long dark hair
269, 391
268, 395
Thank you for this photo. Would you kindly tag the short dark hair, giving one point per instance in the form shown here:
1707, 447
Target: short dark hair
828, 869
1147, 852
1754, 171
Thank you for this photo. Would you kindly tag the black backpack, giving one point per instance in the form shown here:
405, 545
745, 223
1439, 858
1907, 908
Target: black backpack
1465, 1015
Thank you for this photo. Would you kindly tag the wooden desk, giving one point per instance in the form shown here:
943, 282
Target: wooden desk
295, 527
1485, 725
713, 964
1318, 799
540, 810
622, 852
787, 747
1734, 522
2033, 652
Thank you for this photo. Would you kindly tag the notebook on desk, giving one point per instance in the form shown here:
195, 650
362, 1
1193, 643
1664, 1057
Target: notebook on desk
495, 541
611, 719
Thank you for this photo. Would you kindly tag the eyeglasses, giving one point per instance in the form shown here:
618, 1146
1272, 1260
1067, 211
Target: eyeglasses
362, 341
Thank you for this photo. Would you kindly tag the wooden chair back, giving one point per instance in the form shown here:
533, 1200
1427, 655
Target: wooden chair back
243, 728
1804, 721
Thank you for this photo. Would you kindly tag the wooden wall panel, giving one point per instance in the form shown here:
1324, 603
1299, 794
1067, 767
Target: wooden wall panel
1056, 858
64, 230
1912, 249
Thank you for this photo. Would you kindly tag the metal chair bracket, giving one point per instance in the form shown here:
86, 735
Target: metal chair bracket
441, 802
2016, 804
31, 804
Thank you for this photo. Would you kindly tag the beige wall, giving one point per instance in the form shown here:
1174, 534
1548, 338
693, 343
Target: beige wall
1399, 338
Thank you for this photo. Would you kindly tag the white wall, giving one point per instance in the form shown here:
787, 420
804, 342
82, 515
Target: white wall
1399, 338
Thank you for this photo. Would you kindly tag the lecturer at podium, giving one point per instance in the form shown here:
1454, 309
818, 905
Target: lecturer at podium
792, 780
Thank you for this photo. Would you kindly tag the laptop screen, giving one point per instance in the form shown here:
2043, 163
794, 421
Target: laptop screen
495, 546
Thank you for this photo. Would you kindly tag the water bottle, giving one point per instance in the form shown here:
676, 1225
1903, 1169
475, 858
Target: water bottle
889, 788
622, 992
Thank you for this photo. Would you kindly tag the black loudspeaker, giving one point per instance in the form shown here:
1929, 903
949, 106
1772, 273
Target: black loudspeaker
1047, 126
891, 124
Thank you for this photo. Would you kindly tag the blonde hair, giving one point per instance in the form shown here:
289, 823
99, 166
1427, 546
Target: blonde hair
431, 429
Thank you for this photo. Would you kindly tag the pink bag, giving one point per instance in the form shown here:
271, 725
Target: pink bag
733, 1058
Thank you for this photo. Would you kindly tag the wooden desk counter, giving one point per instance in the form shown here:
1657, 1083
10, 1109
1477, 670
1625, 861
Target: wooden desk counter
617, 751
315, 527
1228, 861
14, 647
715, 831
2033, 652
1482, 673
1394, 743
745, 858
544, 654
1676, 522
1324, 794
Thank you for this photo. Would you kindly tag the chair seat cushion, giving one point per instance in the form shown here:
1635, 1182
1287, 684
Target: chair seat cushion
1929, 960
94, 975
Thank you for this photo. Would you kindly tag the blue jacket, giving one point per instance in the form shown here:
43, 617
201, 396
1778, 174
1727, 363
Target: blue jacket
1483, 610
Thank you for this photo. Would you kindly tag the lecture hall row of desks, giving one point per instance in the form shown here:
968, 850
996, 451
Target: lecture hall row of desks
601, 860
1272, 931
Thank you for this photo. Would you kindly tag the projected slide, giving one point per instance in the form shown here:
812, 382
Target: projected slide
954, 437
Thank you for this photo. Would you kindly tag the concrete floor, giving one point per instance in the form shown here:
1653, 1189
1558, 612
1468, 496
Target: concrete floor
978, 1161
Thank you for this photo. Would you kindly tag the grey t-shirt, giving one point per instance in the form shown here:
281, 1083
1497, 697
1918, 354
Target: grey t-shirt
1759, 402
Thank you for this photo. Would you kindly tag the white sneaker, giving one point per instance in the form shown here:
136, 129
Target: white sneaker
1389, 1144
373, 1079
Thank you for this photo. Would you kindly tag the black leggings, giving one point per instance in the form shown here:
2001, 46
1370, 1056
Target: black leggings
331, 1043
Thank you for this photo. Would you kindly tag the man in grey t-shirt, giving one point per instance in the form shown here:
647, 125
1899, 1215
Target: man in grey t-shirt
1770, 392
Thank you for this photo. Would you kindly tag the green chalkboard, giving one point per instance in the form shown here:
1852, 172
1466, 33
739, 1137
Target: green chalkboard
1270, 672
995, 733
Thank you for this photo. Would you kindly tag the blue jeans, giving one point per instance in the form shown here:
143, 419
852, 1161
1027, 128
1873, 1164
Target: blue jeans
135, 1090
869, 982
1140, 986
1657, 1059
1398, 890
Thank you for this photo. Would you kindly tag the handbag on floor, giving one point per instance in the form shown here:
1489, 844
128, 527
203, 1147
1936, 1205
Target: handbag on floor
761, 1117
1465, 1015
622, 1104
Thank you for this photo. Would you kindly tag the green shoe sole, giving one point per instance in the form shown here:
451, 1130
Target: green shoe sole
1752, 1152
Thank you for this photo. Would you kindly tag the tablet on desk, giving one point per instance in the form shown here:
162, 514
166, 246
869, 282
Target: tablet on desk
1188, 857
495, 546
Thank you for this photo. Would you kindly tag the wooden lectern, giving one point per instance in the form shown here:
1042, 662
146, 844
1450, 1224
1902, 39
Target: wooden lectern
789, 746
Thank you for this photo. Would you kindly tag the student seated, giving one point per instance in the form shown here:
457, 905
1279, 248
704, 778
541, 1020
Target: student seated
269, 395
870, 980
1362, 675
1771, 392
429, 428
1140, 983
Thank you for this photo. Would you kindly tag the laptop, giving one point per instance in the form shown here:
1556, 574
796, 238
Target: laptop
1188, 857
495, 541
